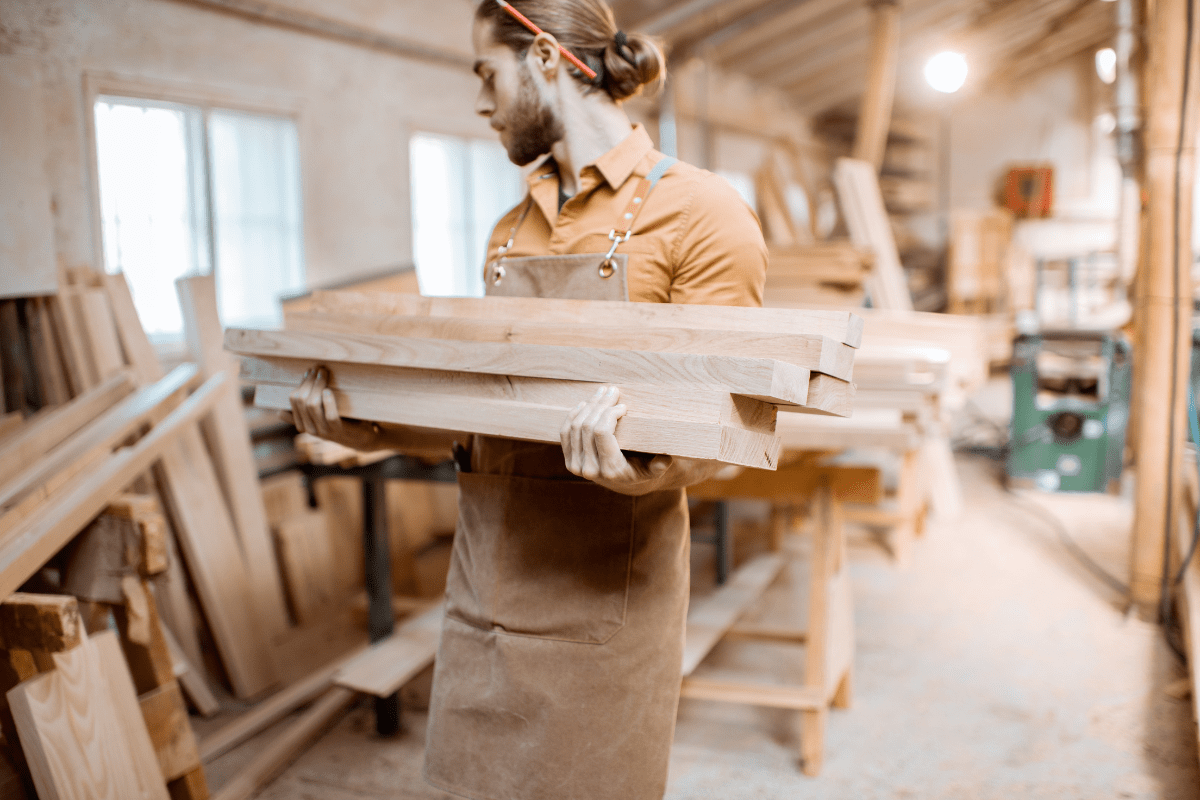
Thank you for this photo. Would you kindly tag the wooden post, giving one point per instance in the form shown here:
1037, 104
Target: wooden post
1164, 293
875, 113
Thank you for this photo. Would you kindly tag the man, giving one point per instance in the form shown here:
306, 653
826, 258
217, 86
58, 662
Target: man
558, 671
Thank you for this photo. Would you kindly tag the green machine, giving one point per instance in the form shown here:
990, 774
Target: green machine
1070, 410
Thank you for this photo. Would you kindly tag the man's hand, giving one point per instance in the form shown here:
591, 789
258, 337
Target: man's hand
315, 411
591, 451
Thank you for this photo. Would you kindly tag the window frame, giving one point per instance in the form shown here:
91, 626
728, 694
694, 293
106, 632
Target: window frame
206, 97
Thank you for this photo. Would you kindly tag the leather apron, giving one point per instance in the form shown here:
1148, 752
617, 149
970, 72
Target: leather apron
558, 671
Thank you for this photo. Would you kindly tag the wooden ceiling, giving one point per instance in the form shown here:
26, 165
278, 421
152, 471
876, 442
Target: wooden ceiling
817, 50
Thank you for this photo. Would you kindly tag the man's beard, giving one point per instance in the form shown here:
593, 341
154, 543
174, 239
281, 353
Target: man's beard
532, 126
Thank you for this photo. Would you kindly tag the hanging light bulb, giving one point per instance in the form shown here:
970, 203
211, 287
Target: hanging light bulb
1106, 64
946, 72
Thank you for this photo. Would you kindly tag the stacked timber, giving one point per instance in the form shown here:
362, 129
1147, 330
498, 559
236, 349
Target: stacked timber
698, 381
827, 273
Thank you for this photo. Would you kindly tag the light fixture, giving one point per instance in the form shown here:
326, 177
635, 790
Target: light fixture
1106, 64
946, 72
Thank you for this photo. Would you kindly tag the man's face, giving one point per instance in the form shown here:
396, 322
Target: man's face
513, 99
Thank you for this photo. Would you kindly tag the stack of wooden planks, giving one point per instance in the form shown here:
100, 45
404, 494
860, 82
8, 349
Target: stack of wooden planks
827, 273
698, 381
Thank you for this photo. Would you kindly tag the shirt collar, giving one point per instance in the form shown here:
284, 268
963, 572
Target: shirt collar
615, 166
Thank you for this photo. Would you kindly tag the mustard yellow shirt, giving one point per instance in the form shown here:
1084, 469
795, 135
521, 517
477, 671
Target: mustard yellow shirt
695, 241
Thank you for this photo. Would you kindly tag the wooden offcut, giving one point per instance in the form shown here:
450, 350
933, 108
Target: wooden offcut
389, 664
867, 219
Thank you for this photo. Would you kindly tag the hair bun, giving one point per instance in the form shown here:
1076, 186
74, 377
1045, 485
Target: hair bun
632, 61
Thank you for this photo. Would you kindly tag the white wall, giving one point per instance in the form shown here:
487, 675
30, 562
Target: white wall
355, 107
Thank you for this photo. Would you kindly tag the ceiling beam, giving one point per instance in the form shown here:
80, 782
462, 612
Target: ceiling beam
791, 50
801, 16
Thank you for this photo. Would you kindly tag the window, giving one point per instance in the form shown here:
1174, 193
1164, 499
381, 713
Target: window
460, 188
187, 190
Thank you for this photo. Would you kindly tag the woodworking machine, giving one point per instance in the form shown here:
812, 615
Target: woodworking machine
1070, 410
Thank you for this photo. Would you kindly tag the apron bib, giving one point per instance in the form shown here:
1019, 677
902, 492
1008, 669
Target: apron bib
558, 670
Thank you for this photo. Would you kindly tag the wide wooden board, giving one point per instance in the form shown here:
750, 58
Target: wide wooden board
229, 438
389, 664
811, 351
538, 423
76, 731
841, 326
761, 378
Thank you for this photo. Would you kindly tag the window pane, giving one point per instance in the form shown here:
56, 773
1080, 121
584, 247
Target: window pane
153, 228
460, 187
257, 223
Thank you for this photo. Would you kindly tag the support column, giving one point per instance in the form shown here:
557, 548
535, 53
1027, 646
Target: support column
875, 113
1164, 291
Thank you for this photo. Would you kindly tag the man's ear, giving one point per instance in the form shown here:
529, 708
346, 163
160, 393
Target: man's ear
545, 51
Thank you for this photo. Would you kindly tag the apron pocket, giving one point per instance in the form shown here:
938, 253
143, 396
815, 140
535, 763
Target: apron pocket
542, 558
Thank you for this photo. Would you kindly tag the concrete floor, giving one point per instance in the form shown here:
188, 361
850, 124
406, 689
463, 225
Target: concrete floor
995, 667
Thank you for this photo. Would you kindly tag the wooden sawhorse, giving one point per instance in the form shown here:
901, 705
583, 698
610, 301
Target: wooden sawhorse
829, 637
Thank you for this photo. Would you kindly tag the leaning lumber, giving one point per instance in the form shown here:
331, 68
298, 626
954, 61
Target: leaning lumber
709, 619
841, 326
811, 351
761, 378
47, 431
102, 434
229, 439
79, 734
25, 549
203, 525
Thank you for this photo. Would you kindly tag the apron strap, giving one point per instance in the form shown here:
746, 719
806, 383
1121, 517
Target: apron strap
644, 188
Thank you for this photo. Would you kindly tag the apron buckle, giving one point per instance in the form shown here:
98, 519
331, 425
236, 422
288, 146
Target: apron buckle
498, 274
607, 267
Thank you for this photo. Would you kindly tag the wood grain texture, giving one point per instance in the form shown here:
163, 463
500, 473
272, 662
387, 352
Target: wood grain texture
709, 618
229, 438
862, 204
202, 520
705, 405
103, 433
25, 548
796, 484
307, 557
46, 622
841, 326
131, 723
764, 379
389, 664
527, 421
75, 730
811, 351
48, 430
170, 731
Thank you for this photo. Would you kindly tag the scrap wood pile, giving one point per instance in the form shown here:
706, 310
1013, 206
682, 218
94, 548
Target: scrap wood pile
129, 498
698, 381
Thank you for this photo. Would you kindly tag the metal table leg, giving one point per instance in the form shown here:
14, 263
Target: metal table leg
378, 563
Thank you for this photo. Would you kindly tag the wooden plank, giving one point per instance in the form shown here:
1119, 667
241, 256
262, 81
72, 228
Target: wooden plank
102, 434
43, 342
96, 319
10, 424
862, 207
516, 420
879, 428
25, 549
306, 555
875, 110
389, 664
46, 622
76, 339
711, 617
811, 351
46, 431
287, 746
841, 326
71, 364
203, 524
132, 725
796, 484
170, 731
19, 384
761, 378
190, 678
796, 698
271, 710
703, 405
232, 456
71, 722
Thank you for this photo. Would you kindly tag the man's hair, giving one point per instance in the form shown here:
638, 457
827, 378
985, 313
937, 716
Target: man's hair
588, 30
